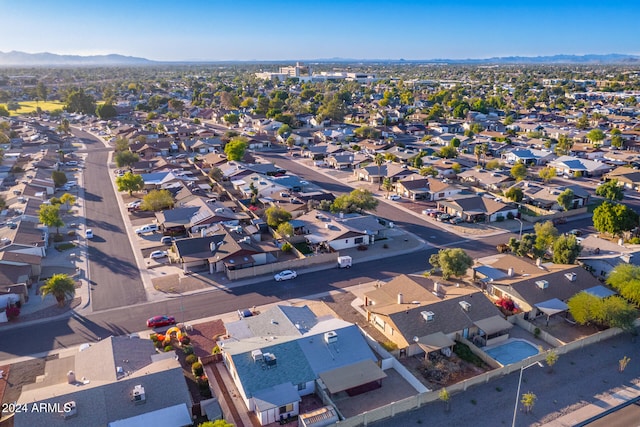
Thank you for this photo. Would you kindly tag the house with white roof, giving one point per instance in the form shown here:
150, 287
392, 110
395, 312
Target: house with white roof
571, 165
287, 352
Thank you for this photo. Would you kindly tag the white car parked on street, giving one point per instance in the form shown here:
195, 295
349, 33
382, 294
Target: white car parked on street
285, 275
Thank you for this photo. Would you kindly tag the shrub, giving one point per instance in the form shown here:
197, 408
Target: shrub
71, 233
58, 238
389, 346
160, 337
153, 337
506, 303
203, 382
216, 350
287, 247
634, 240
191, 359
159, 344
362, 247
464, 352
12, 312
168, 348
197, 369
510, 215
185, 340
499, 218
55, 201
187, 349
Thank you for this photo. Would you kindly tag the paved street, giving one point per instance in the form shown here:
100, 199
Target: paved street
115, 278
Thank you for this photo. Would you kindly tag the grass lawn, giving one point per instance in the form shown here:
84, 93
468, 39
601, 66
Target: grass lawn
27, 107
303, 248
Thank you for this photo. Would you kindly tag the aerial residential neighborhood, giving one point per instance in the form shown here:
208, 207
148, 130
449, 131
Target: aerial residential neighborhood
319, 242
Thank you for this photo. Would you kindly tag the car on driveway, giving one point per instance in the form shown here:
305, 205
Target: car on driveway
158, 254
167, 240
444, 217
285, 275
576, 232
455, 220
395, 197
160, 321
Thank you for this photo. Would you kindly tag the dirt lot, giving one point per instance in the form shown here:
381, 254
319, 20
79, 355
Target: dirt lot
20, 374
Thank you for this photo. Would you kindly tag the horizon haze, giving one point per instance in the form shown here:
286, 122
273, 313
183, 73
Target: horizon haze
284, 30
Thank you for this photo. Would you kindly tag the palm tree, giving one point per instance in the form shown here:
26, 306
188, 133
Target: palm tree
387, 185
379, 160
60, 286
480, 150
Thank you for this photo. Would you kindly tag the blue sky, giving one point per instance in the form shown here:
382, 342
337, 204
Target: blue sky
298, 30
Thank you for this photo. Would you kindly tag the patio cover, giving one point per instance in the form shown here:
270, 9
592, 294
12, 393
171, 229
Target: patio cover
177, 415
600, 291
435, 342
490, 273
493, 324
552, 306
351, 376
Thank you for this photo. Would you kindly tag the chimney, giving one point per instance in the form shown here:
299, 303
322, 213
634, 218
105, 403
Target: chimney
510, 272
400, 298
71, 377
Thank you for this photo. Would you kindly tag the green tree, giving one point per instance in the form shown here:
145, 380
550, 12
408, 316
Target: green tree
565, 199
547, 173
566, 249
514, 193
231, 119
130, 182
564, 145
106, 111
61, 286
121, 144
332, 108
596, 136
49, 215
157, 200
64, 127
216, 423
610, 190
236, 148
42, 91
387, 185
613, 218
583, 122
480, 150
583, 307
451, 262
357, 201
528, 400
519, 171
546, 234
429, 171
59, 178
276, 216
216, 174
551, 358
619, 313
369, 132
125, 158
448, 152
625, 278
68, 199
77, 101
285, 229
284, 129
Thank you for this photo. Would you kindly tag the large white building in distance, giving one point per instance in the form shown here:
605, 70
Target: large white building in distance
304, 73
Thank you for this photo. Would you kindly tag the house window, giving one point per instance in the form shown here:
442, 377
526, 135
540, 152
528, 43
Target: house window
358, 240
301, 386
440, 194
286, 408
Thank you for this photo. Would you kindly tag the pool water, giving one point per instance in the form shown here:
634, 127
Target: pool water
512, 352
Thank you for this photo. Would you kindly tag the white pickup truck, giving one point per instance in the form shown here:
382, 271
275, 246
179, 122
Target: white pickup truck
149, 228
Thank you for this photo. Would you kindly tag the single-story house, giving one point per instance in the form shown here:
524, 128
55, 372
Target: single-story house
473, 208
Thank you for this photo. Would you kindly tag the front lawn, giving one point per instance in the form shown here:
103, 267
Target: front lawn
28, 107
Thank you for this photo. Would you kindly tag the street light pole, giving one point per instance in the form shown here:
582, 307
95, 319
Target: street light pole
515, 409
520, 221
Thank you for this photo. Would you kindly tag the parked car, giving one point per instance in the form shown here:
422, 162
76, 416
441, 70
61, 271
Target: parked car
395, 197
158, 254
455, 220
428, 212
159, 321
245, 313
149, 228
576, 232
72, 163
444, 217
167, 240
285, 275
89, 233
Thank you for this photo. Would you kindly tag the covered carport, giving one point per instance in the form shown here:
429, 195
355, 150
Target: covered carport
354, 379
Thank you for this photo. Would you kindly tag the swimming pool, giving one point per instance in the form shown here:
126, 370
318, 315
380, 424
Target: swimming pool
512, 351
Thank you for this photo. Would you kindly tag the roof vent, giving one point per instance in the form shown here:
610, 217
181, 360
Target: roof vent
465, 305
256, 355
138, 396
428, 315
571, 276
330, 337
542, 284
400, 298
270, 360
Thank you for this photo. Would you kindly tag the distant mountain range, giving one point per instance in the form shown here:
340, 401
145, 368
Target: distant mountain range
22, 59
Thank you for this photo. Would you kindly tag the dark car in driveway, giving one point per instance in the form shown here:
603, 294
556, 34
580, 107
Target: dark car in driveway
160, 321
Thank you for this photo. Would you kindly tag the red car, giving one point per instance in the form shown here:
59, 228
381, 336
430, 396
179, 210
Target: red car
159, 321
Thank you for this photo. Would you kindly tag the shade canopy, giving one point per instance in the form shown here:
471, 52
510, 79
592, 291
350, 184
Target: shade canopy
552, 306
493, 324
434, 342
351, 376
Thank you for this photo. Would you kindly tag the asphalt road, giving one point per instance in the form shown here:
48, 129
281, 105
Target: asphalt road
62, 333
115, 279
